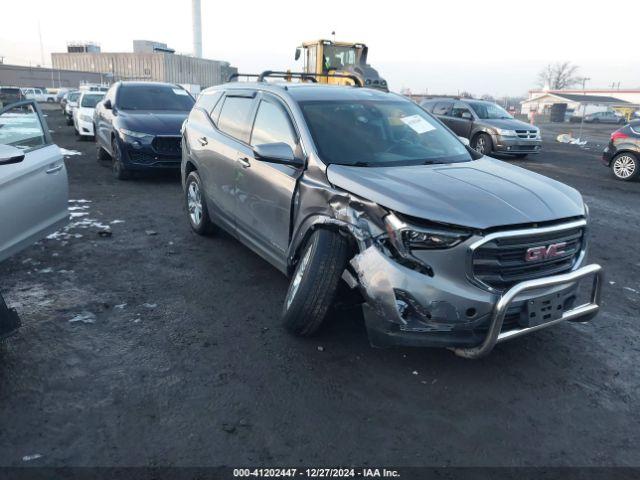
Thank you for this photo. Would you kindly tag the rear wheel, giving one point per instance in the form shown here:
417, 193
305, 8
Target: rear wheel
625, 166
196, 206
482, 144
119, 170
101, 153
315, 282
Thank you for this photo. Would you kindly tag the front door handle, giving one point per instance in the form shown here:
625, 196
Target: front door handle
55, 169
203, 141
244, 162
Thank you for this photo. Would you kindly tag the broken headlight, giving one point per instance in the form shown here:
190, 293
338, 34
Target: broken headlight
403, 239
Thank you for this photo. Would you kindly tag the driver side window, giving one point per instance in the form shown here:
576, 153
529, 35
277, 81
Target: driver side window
459, 109
21, 127
272, 125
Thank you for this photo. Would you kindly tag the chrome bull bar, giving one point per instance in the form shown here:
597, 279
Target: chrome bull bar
583, 313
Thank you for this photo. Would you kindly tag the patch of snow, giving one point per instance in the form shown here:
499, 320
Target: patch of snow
28, 458
78, 214
149, 305
631, 289
69, 153
114, 222
84, 317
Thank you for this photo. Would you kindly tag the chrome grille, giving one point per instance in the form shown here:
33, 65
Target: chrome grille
502, 262
527, 134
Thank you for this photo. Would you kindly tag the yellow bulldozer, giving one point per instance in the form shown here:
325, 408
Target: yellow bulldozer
339, 63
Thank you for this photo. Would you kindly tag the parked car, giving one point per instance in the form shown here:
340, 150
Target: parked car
138, 126
604, 117
70, 105
33, 187
9, 95
489, 128
622, 154
39, 95
62, 92
354, 189
83, 113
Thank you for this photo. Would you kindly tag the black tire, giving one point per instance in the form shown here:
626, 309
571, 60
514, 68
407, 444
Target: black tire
194, 198
101, 154
482, 144
625, 166
69, 122
119, 170
315, 282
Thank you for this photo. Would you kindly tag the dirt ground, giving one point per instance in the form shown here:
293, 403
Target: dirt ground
159, 347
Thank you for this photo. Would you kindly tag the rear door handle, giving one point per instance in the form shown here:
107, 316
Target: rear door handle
203, 141
244, 162
55, 169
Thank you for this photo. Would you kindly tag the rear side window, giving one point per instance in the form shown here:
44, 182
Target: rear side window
208, 100
234, 117
442, 108
272, 125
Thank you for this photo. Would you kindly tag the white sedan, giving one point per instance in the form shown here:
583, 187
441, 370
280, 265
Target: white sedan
83, 115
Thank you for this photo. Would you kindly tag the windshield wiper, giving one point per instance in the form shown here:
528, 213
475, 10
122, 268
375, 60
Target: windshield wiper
360, 164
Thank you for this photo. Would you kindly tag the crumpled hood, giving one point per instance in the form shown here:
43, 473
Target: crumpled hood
157, 122
478, 194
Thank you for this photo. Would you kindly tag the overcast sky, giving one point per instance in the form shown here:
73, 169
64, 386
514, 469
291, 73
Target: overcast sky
443, 46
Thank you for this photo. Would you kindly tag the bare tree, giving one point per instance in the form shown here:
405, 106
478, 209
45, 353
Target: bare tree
559, 75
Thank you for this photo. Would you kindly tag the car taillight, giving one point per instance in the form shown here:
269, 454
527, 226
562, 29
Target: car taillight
618, 136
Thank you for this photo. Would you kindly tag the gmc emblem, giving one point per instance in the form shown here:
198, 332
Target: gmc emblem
535, 254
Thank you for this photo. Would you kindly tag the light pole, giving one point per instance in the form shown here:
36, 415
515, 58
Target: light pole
584, 109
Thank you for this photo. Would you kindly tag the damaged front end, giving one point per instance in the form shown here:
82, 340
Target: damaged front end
419, 283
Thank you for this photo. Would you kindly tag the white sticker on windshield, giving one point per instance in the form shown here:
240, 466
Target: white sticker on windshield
179, 91
418, 124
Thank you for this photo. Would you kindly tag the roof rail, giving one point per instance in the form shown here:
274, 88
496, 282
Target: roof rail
313, 77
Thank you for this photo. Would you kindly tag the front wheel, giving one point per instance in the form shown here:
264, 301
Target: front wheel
315, 282
482, 144
625, 166
196, 206
119, 170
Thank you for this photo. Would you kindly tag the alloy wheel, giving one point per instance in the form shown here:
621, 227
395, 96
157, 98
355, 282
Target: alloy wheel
481, 145
624, 166
194, 203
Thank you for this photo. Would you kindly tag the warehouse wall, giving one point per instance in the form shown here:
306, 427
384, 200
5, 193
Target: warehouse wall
21, 76
160, 67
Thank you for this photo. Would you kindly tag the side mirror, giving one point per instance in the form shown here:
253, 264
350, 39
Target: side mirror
277, 153
467, 116
298, 53
465, 141
107, 104
9, 155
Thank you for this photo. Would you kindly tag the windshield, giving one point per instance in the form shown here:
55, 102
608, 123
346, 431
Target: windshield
154, 97
91, 100
371, 133
73, 97
336, 58
489, 111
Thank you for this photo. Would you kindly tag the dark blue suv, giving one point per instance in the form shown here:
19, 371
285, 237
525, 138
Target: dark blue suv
138, 126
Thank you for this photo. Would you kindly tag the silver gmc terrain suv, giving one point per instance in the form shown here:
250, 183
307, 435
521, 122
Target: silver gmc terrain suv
357, 193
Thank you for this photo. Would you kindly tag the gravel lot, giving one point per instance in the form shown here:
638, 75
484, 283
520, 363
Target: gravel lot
176, 355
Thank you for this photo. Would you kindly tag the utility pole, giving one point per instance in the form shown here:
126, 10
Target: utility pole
584, 106
41, 47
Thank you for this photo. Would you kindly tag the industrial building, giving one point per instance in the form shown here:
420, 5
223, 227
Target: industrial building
150, 61
25, 76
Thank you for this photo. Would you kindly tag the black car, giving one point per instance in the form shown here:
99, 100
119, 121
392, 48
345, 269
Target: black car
489, 127
138, 126
10, 95
623, 152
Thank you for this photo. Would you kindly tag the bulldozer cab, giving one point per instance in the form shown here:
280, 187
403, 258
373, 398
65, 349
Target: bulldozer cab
325, 57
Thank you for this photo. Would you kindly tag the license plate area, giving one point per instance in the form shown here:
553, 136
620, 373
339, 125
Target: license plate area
543, 310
